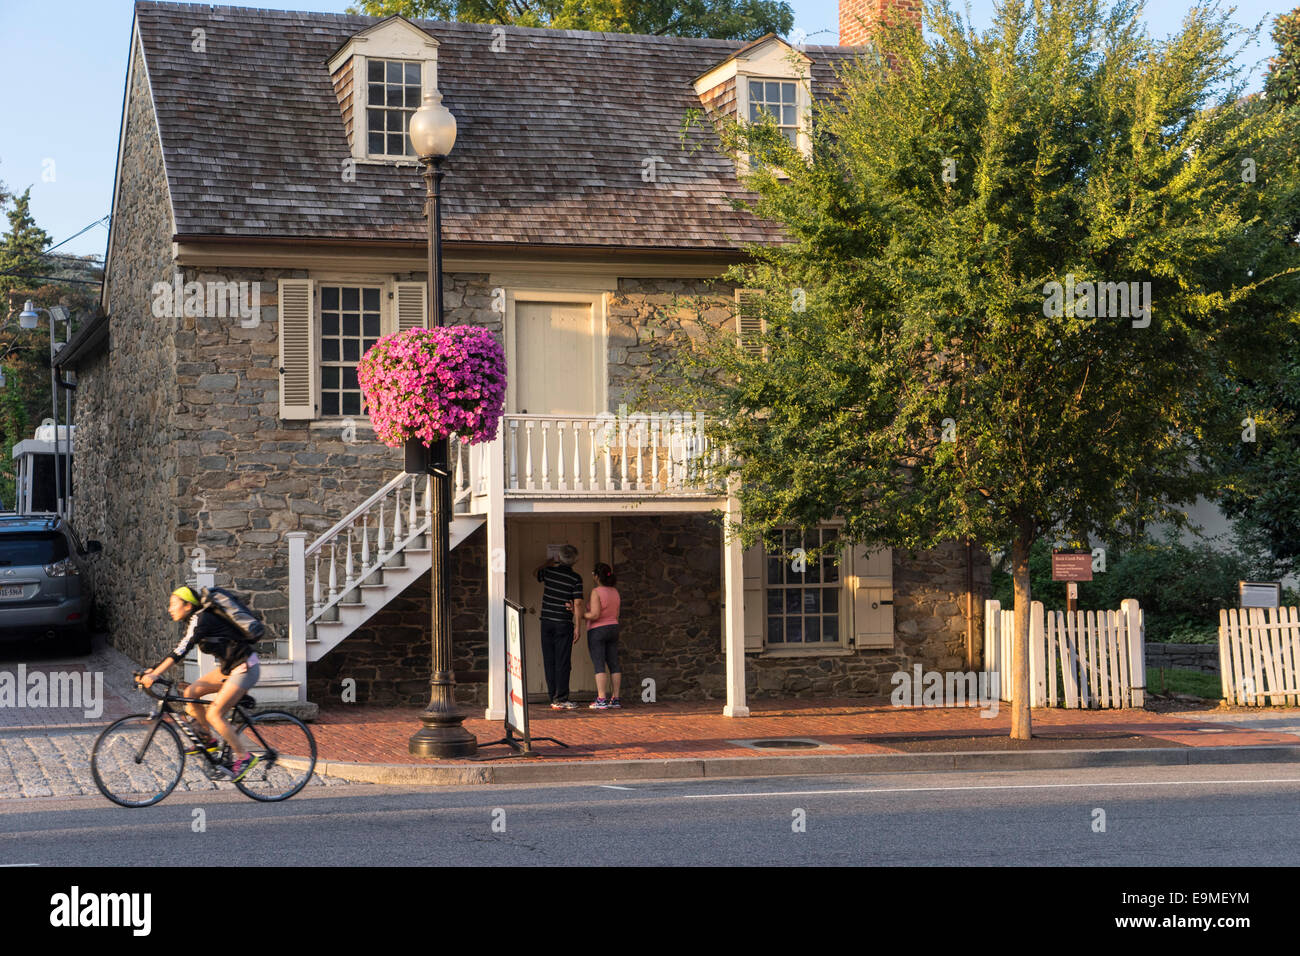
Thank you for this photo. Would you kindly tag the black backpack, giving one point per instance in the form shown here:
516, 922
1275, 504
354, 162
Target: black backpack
231, 609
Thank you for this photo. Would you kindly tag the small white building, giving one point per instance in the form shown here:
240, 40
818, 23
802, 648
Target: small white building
35, 487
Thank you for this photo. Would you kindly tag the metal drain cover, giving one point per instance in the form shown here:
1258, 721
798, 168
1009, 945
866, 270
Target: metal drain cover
786, 744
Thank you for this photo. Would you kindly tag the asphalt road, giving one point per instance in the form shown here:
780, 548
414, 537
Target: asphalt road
1169, 816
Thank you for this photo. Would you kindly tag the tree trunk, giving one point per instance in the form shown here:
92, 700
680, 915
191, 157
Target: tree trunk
1021, 728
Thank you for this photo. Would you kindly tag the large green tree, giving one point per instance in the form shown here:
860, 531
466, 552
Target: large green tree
721, 19
1263, 476
24, 363
922, 379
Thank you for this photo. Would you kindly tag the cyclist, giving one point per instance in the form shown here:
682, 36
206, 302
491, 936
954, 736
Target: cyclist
237, 674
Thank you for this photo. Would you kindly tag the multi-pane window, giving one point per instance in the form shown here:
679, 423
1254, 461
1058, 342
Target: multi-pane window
393, 95
803, 593
349, 326
775, 98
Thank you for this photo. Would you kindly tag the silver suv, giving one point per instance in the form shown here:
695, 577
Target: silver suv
41, 589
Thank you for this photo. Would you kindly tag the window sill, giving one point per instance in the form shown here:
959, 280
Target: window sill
834, 650
336, 423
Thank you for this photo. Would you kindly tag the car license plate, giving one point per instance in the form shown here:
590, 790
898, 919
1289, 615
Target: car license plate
10, 591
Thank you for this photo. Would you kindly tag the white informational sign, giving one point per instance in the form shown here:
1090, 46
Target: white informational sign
553, 552
516, 692
1260, 594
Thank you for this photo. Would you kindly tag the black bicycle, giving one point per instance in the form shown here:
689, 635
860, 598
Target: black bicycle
138, 760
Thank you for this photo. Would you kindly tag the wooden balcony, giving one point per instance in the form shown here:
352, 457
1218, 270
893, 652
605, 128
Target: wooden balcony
568, 463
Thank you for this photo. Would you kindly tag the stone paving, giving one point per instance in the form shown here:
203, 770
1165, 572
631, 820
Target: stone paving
45, 751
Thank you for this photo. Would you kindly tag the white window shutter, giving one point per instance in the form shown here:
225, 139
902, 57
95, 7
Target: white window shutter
755, 607
749, 323
299, 397
873, 596
412, 310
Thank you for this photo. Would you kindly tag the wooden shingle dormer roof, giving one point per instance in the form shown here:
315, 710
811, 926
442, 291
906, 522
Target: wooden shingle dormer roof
553, 135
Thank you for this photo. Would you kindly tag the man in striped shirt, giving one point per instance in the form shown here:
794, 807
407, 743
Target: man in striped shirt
561, 597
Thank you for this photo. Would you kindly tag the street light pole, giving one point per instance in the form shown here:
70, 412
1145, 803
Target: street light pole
28, 319
433, 131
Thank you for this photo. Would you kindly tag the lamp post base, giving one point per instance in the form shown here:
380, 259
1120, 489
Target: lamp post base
443, 736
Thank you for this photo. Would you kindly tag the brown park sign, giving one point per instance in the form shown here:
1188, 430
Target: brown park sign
1071, 566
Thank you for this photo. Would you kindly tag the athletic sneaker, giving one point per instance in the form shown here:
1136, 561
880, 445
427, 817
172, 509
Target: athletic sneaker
239, 768
600, 703
557, 705
569, 705
614, 704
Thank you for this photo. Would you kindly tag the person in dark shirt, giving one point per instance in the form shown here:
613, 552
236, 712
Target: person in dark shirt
561, 597
238, 673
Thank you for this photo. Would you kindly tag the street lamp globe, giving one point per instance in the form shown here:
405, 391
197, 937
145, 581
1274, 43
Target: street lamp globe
28, 317
433, 128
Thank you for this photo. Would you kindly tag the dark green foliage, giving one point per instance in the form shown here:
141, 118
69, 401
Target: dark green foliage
1181, 588
721, 19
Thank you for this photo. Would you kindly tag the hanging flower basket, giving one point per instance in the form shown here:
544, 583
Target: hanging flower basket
423, 385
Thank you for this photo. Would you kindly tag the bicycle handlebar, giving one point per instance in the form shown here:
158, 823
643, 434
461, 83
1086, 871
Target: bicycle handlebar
157, 680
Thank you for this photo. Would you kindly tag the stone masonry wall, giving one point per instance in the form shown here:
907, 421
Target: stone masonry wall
246, 477
669, 570
389, 656
124, 457
648, 319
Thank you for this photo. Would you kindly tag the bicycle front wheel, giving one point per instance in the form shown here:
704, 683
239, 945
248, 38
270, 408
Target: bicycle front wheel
137, 760
286, 753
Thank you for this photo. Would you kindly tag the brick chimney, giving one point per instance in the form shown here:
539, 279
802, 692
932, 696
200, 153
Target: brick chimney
858, 18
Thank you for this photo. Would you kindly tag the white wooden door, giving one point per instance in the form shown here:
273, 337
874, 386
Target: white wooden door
555, 359
526, 542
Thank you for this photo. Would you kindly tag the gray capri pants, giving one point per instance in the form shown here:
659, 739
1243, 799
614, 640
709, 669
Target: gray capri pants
602, 642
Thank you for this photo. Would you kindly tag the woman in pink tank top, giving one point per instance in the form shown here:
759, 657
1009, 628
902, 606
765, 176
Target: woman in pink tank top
602, 636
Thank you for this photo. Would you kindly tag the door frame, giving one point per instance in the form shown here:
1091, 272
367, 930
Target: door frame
604, 544
598, 301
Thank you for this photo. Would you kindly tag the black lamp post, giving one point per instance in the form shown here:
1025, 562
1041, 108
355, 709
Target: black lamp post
433, 133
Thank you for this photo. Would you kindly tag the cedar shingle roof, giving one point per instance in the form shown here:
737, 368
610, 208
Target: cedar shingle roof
552, 134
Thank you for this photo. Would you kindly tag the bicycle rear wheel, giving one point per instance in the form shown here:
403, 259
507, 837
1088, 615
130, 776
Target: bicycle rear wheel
286, 751
137, 760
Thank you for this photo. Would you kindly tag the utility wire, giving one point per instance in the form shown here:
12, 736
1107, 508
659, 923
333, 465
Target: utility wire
103, 221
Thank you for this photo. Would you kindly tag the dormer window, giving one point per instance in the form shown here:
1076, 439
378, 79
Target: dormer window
393, 90
777, 99
766, 79
379, 77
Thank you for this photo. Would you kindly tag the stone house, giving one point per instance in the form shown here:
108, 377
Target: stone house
268, 227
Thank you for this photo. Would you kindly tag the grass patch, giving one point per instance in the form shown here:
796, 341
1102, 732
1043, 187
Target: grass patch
1175, 680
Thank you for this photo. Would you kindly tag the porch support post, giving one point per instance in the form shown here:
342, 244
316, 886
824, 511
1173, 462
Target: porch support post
298, 609
733, 622
206, 578
496, 572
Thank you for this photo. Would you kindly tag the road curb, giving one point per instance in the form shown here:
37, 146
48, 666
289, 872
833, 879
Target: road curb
622, 771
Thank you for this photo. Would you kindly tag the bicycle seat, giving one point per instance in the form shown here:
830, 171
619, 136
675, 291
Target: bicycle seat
247, 701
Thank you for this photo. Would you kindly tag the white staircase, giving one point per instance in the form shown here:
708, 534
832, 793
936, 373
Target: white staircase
349, 574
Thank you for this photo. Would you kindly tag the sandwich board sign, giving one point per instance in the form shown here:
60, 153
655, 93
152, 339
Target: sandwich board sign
517, 736
516, 680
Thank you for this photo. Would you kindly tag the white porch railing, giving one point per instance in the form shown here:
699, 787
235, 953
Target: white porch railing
601, 455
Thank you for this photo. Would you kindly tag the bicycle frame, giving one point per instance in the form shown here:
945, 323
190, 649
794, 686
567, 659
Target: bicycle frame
163, 709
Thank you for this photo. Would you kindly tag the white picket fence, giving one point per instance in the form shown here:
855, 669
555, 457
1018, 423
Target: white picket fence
1259, 655
1085, 659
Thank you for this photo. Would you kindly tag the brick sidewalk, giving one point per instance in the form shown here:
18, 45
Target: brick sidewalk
697, 729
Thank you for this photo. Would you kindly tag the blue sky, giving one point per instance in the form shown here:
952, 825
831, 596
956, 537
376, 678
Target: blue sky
64, 66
